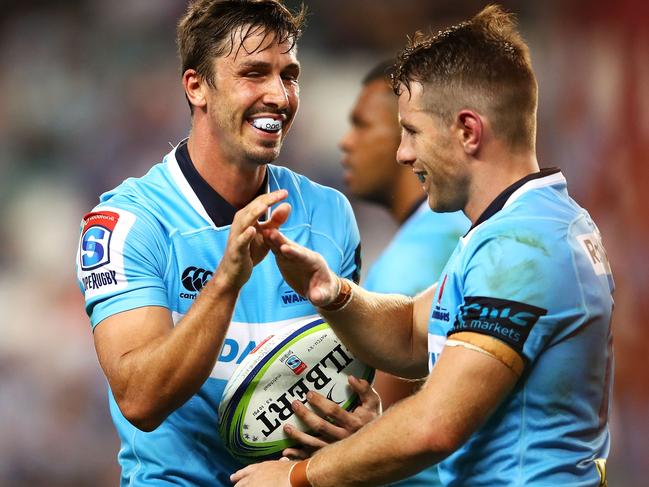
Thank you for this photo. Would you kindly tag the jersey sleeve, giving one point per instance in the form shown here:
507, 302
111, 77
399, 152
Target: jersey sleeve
513, 293
351, 265
120, 263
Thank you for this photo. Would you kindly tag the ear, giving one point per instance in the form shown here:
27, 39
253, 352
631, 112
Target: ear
195, 87
469, 130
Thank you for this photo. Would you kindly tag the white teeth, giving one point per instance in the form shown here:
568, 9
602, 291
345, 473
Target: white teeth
267, 124
421, 176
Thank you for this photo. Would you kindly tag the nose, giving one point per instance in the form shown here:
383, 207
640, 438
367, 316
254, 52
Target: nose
345, 142
276, 94
405, 153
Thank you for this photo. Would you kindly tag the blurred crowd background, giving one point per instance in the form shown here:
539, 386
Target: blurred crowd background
90, 94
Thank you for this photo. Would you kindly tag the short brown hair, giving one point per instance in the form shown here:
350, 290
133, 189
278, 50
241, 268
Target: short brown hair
208, 28
483, 64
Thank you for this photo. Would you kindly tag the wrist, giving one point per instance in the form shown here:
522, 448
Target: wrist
298, 475
343, 297
221, 286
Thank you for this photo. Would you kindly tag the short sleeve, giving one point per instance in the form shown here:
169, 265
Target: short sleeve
513, 291
120, 263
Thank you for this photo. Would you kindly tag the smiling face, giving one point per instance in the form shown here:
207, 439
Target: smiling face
370, 144
254, 98
429, 146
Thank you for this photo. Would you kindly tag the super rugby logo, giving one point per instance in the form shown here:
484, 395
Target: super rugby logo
294, 363
97, 230
193, 279
316, 379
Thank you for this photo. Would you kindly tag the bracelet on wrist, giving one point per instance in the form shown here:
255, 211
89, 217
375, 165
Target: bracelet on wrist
297, 476
345, 295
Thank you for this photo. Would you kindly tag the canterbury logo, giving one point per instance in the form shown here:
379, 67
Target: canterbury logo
194, 278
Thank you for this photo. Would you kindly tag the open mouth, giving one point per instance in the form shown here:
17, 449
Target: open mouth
267, 124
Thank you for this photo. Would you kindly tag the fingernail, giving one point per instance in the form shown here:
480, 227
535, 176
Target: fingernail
309, 396
296, 405
288, 428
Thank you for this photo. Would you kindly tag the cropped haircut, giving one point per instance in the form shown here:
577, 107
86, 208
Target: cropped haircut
481, 64
208, 30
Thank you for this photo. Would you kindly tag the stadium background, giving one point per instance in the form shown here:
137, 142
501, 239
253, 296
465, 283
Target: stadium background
90, 94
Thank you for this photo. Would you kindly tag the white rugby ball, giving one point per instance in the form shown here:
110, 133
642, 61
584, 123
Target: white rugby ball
257, 399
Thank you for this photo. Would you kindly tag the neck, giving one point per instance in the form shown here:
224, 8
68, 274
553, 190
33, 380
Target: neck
405, 194
492, 175
236, 181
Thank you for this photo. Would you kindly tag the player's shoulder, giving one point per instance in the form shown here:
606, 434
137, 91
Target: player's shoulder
540, 215
427, 222
141, 193
290, 179
136, 202
311, 196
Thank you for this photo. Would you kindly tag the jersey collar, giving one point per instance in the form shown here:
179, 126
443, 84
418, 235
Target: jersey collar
219, 211
513, 192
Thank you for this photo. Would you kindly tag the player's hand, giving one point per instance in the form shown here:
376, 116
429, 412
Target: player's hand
303, 269
246, 246
265, 474
330, 422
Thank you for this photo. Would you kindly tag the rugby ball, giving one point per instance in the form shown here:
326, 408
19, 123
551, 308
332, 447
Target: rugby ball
257, 399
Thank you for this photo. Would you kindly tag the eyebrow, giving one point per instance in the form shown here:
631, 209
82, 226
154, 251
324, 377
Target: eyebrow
267, 66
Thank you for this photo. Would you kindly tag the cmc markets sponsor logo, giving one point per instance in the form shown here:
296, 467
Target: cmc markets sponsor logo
509, 321
315, 379
289, 298
96, 280
193, 279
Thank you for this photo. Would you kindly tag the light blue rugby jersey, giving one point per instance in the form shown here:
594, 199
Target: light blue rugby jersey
151, 242
412, 262
534, 274
415, 257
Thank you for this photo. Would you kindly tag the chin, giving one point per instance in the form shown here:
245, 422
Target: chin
261, 157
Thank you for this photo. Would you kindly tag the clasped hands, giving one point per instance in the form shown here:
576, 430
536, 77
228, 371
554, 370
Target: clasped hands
309, 275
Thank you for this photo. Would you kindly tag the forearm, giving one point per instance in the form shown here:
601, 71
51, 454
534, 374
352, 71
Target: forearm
161, 375
388, 449
379, 330
462, 391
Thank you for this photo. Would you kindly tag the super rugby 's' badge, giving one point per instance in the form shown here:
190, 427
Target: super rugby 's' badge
100, 256
98, 228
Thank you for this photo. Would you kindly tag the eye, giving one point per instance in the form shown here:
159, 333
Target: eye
253, 74
289, 77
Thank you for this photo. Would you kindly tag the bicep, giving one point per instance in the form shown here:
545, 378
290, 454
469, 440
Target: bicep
421, 315
464, 388
122, 333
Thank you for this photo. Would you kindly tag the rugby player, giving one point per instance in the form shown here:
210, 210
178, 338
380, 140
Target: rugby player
516, 337
172, 265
